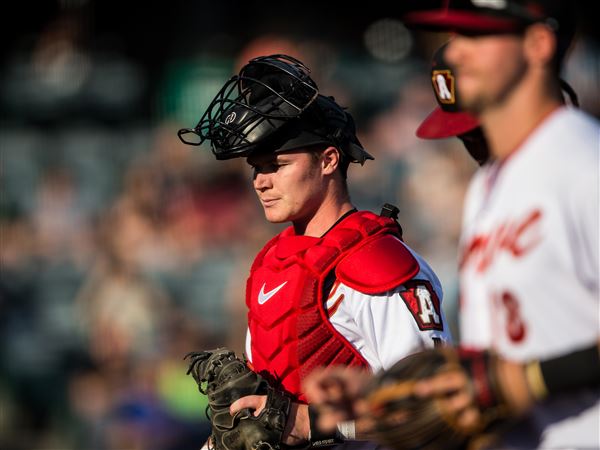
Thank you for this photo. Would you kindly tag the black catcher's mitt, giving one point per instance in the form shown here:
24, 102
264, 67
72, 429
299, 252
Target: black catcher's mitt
403, 420
224, 378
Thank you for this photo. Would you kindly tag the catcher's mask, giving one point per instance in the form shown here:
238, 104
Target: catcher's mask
273, 105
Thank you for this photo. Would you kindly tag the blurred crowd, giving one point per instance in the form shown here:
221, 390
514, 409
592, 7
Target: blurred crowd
123, 249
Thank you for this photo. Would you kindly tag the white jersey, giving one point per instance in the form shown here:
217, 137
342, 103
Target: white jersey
529, 264
387, 327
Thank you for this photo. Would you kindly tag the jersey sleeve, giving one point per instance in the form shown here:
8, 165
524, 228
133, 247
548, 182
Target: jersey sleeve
386, 327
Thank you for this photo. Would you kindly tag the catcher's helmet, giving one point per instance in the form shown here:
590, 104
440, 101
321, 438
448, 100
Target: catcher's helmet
273, 105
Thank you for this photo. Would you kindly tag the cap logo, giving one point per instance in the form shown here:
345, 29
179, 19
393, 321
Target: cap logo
492, 4
443, 84
230, 118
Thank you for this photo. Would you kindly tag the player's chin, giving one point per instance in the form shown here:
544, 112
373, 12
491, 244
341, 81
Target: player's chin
275, 215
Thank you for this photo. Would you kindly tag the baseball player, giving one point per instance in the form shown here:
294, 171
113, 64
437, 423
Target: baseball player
338, 286
529, 245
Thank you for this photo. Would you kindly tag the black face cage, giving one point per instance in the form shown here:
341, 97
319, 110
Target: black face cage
267, 93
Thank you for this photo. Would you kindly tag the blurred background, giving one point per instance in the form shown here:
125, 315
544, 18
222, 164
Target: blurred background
123, 249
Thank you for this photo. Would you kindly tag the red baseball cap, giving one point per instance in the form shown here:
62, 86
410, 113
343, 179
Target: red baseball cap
492, 16
447, 119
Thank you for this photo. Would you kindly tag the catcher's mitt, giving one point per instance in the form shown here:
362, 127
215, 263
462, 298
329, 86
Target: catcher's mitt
403, 420
224, 378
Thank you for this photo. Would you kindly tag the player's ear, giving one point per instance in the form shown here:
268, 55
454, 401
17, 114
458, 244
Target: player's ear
539, 44
330, 160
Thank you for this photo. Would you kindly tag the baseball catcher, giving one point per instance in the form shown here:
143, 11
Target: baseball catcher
338, 286
224, 378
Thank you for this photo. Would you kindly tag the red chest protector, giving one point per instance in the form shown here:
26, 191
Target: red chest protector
291, 333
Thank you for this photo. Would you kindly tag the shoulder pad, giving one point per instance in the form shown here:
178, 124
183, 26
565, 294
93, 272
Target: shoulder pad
379, 265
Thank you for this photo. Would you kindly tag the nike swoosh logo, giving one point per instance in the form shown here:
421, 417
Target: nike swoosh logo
263, 296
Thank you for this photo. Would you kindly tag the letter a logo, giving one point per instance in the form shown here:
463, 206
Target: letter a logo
428, 313
424, 304
443, 85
